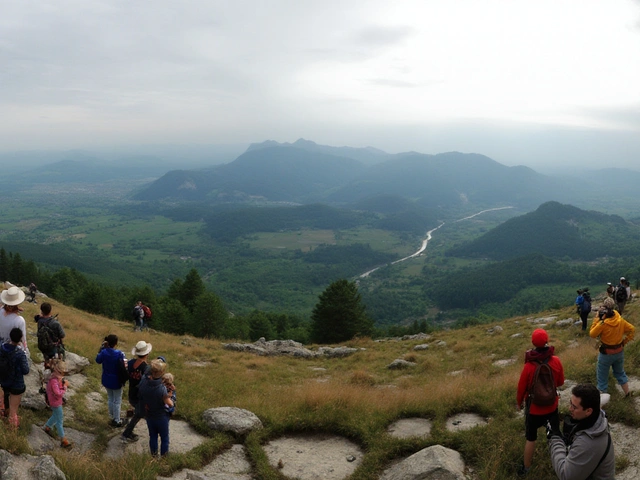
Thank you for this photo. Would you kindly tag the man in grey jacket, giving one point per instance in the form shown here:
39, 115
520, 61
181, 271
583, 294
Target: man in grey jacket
586, 449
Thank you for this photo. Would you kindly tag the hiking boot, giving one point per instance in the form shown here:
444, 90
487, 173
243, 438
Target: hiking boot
48, 431
66, 443
130, 438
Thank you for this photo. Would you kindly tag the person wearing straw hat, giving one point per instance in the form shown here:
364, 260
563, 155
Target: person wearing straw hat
10, 317
137, 369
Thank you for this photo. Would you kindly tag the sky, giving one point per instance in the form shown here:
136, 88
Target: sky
539, 83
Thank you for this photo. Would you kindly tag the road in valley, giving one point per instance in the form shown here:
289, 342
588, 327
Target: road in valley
423, 247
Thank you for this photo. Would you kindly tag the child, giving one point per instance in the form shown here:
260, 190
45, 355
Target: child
170, 403
56, 388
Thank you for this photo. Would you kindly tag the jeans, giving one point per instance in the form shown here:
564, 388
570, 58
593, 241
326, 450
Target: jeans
115, 400
158, 426
616, 362
56, 420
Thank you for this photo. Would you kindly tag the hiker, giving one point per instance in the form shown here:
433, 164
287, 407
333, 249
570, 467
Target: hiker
583, 306
623, 294
138, 317
10, 315
50, 334
137, 369
56, 388
153, 398
614, 332
32, 291
112, 361
610, 290
535, 414
12, 382
585, 450
168, 382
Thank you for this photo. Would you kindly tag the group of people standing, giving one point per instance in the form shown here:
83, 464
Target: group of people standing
152, 393
584, 448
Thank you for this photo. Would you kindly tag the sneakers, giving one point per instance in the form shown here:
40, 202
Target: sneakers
522, 471
130, 438
118, 424
66, 443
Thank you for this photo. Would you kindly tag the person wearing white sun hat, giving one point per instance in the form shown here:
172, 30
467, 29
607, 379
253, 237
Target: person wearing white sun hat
10, 317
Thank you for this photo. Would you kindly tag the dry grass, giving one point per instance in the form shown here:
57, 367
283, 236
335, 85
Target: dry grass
355, 396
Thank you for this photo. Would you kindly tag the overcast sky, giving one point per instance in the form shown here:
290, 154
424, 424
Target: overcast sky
525, 82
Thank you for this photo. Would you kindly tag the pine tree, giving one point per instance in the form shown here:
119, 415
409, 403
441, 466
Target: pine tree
340, 314
209, 316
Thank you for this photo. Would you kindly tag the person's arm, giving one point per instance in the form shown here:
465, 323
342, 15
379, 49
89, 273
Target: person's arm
59, 330
523, 385
577, 462
24, 364
629, 331
596, 327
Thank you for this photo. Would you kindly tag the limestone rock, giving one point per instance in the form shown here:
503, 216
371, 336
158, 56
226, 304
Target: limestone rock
288, 347
28, 467
422, 346
417, 336
75, 363
231, 419
399, 364
432, 463
410, 427
494, 330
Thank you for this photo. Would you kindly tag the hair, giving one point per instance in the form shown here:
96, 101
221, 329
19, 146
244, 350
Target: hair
609, 303
112, 340
15, 335
157, 368
58, 365
45, 308
167, 378
589, 396
12, 308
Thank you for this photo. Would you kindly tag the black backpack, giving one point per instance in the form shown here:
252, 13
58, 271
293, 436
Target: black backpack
621, 293
5, 365
543, 391
47, 339
123, 372
586, 303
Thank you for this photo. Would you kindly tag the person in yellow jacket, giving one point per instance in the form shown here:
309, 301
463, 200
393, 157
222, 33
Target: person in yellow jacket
614, 332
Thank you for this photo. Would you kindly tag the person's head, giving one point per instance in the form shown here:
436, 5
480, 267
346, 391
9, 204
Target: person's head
585, 401
139, 303
609, 303
167, 378
623, 280
158, 368
579, 292
142, 349
15, 335
11, 298
112, 340
539, 338
58, 366
45, 308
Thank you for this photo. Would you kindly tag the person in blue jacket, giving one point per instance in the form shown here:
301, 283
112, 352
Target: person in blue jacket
13, 384
153, 397
111, 359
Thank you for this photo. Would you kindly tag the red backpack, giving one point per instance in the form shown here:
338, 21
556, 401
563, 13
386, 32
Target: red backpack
147, 311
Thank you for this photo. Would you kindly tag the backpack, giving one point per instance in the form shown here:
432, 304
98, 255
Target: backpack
47, 340
586, 303
543, 391
147, 311
123, 372
621, 293
5, 365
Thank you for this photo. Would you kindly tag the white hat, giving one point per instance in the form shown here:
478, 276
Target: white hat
622, 279
141, 349
12, 296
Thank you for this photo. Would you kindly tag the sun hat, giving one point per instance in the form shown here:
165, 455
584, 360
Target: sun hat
539, 338
12, 296
622, 279
60, 366
141, 349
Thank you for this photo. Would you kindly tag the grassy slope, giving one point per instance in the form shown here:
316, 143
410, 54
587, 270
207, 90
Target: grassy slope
356, 397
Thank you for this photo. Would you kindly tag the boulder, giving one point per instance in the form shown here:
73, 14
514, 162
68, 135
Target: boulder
288, 347
422, 346
231, 419
75, 363
28, 467
432, 463
399, 364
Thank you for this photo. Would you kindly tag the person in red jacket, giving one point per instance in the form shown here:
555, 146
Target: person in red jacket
537, 416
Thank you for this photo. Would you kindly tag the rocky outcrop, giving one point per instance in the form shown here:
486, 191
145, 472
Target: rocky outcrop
288, 347
432, 463
231, 419
28, 467
400, 364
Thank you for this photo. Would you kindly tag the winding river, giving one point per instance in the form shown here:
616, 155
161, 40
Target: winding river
423, 246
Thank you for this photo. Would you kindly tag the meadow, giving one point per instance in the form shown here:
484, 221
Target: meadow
356, 397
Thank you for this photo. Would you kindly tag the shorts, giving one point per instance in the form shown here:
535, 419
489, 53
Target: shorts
14, 391
533, 422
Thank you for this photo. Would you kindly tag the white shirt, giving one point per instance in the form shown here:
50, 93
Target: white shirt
9, 321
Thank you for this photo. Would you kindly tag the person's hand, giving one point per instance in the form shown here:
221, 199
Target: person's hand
552, 433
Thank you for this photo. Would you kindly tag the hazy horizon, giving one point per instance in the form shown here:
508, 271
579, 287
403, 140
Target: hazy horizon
542, 84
